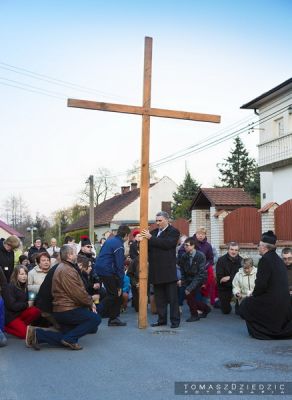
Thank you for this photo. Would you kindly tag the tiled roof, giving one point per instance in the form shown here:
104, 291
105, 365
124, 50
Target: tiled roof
267, 206
220, 197
104, 212
10, 230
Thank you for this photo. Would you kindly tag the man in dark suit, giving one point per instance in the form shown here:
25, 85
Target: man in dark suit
162, 268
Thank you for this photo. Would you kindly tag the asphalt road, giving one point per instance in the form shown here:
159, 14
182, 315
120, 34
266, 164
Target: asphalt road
128, 363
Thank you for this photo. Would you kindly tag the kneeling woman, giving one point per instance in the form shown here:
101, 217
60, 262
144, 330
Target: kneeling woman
18, 313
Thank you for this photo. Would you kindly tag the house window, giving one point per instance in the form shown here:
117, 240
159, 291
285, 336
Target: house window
279, 124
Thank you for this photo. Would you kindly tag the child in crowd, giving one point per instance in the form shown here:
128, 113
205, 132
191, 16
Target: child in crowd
244, 281
125, 291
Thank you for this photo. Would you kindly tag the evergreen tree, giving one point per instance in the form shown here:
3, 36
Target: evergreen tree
184, 196
253, 187
240, 171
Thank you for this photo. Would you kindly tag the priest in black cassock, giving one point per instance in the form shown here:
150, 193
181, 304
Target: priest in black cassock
268, 311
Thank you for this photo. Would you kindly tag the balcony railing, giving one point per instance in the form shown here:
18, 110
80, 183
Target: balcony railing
275, 152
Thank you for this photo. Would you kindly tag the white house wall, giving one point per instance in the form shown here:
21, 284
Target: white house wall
267, 194
282, 184
271, 112
275, 132
162, 191
4, 234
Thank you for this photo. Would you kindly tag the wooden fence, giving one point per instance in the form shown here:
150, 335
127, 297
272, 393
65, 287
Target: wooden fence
243, 225
283, 221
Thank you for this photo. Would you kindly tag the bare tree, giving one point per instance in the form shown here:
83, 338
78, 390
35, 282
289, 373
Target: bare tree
15, 210
133, 174
104, 185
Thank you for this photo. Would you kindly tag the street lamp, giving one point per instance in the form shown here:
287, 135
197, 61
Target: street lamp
31, 229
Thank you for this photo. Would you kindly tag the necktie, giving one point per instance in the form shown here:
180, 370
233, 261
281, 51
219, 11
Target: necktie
159, 232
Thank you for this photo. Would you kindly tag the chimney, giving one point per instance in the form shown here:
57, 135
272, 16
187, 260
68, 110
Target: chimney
125, 189
134, 185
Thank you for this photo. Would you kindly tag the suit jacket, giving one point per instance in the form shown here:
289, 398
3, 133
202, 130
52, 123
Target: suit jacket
162, 256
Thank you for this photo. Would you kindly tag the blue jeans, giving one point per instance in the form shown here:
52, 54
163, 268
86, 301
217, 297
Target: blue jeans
1, 314
76, 323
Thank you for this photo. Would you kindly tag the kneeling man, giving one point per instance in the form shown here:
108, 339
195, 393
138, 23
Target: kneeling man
73, 308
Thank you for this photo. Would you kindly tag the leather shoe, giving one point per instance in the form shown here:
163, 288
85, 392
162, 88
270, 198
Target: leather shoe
173, 326
116, 322
155, 324
193, 318
31, 338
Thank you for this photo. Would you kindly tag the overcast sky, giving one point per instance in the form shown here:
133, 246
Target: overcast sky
208, 56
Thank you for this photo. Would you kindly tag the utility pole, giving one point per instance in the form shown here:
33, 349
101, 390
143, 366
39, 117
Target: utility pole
60, 229
31, 229
91, 210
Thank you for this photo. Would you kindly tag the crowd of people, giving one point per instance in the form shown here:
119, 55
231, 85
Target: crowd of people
55, 295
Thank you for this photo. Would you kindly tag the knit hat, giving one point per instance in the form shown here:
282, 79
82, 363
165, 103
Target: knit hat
12, 241
85, 240
135, 232
269, 237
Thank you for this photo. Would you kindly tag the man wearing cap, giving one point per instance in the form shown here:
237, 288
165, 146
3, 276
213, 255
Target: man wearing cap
87, 248
162, 268
134, 246
268, 312
7, 254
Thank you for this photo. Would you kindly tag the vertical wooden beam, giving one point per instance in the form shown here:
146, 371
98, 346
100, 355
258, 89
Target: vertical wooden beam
144, 185
91, 210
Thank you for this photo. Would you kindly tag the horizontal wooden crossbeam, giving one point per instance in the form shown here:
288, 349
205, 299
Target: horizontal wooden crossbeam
153, 112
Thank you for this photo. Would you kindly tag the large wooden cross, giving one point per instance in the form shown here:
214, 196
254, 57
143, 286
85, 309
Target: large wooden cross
146, 111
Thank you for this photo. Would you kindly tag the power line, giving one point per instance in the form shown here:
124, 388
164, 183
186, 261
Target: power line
30, 90
54, 81
211, 141
50, 92
197, 148
208, 143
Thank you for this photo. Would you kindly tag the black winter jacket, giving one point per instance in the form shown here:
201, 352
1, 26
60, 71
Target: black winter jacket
193, 275
162, 256
6, 260
227, 266
34, 250
15, 301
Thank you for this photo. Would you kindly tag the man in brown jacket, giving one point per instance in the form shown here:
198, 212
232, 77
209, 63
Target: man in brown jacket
73, 308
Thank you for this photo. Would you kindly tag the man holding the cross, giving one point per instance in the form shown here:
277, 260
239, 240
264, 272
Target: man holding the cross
162, 268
